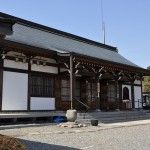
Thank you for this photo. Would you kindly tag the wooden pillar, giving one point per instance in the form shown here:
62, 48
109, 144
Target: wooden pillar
120, 96
29, 85
58, 68
117, 94
72, 82
1, 82
141, 93
132, 94
98, 94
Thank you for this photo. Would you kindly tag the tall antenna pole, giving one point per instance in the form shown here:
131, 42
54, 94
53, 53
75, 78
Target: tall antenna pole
103, 23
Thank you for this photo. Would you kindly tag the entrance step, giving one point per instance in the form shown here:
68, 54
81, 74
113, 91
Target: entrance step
110, 117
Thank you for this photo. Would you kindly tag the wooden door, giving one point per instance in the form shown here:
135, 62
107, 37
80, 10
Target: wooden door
83, 95
108, 96
88, 94
92, 94
103, 95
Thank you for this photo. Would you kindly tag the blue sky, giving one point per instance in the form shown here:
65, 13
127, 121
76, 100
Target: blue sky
127, 22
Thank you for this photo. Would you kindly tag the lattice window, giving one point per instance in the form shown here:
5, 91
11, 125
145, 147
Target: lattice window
65, 90
111, 93
92, 92
77, 90
42, 86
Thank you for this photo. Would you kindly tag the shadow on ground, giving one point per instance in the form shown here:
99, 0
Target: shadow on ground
32, 145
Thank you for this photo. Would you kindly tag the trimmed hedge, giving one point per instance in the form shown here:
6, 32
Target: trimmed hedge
9, 143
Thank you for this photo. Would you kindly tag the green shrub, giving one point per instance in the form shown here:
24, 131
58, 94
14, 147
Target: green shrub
9, 143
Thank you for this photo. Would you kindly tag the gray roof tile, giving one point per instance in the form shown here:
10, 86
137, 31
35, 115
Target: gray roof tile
43, 39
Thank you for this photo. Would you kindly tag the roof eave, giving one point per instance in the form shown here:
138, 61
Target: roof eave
143, 71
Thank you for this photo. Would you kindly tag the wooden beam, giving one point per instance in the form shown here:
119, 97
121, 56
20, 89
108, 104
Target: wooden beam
98, 94
85, 73
1, 82
29, 85
141, 93
63, 73
132, 94
111, 65
107, 75
120, 95
117, 93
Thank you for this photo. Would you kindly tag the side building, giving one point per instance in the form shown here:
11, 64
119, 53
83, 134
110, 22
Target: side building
43, 69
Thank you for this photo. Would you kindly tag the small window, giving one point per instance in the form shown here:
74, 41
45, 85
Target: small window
42, 86
125, 93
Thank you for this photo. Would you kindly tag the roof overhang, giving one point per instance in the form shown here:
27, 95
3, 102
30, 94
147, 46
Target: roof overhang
110, 64
26, 49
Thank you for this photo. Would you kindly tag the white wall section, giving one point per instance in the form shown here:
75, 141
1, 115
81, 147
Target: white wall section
137, 82
14, 64
14, 91
137, 96
39, 103
42, 68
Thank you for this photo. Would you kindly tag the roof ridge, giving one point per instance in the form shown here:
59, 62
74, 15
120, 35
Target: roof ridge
58, 32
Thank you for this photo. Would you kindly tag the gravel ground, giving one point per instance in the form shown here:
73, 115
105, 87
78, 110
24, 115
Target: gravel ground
88, 138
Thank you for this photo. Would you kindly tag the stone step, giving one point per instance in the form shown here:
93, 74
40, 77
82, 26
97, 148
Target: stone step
112, 117
111, 112
88, 121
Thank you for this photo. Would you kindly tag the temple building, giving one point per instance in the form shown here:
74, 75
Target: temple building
43, 69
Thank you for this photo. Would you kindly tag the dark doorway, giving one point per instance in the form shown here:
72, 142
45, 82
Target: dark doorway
125, 93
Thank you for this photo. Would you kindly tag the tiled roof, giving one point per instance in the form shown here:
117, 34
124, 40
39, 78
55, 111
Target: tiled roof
52, 41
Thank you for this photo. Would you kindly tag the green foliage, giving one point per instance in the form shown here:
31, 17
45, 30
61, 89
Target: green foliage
8, 143
146, 82
148, 67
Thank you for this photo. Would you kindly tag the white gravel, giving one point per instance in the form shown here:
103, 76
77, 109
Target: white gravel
87, 138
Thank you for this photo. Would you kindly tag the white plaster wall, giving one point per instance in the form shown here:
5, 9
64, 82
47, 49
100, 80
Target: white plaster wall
46, 59
39, 103
63, 69
50, 60
137, 82
42, 68
137, 96
14, 64
14, 91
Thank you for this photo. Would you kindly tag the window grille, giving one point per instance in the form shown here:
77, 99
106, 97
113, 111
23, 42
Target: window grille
92, 91
42, 86
65, 90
